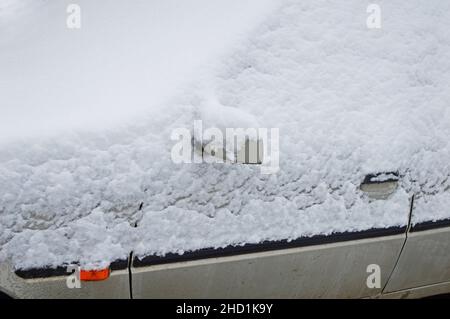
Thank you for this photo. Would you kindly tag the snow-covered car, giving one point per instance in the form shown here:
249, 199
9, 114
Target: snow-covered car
342, 192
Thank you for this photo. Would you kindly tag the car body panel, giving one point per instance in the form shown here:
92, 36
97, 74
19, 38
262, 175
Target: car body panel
116, 286
425, 260
414, 263
420, 292
335, 270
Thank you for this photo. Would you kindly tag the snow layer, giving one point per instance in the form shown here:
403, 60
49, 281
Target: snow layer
125, 60
348, 101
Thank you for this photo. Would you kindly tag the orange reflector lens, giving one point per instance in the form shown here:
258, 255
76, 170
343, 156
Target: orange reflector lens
94, 275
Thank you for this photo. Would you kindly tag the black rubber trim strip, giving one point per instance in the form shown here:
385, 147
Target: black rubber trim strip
34, 273
266, 246
430, 225
120, 264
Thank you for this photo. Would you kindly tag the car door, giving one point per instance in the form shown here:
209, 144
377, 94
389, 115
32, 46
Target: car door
425, 259
340, 265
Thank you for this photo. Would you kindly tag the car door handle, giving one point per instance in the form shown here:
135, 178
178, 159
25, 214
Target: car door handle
381, 185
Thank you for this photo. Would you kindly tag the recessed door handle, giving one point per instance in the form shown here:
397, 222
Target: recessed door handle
381, 185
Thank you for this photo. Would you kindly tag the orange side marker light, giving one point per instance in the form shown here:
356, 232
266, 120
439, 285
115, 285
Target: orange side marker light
94, 275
